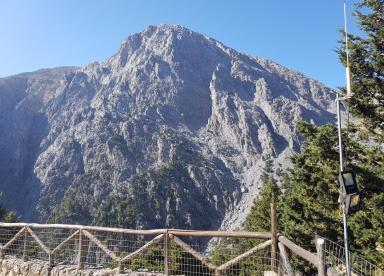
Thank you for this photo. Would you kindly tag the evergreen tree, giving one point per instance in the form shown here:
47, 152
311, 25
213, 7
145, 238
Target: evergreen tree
308, 205
366, 148
366, 61
309, 201
259, 217
6, 215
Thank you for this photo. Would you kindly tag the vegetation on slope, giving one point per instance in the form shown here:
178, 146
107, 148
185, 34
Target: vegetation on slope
308, 202
6, 215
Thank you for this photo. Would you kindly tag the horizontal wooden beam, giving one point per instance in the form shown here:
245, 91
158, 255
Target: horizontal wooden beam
222, 234
245, 255
82, 227
305, 254
176, 232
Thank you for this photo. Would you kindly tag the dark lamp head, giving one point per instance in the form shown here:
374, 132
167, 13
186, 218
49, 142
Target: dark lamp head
349, 191
347, 183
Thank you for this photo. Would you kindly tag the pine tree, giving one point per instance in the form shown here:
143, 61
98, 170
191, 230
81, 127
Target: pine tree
366, 145
6, 215
309, 201
308, 205
259, 217
366, 61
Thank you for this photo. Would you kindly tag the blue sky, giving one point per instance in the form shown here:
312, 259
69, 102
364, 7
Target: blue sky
299, 34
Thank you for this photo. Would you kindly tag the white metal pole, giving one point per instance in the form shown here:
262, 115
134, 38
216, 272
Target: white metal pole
345, 221
338, 99
346, 31
343, 202
347, 70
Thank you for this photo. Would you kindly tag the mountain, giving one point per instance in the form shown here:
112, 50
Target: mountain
171, 131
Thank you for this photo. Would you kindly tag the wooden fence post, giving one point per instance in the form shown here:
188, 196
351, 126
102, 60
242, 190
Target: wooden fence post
167, 254
320, 254
120, 267
50, 260
274, 236
25, 245
82, 250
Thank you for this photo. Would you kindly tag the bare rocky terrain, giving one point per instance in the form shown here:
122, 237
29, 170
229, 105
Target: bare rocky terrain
171, 131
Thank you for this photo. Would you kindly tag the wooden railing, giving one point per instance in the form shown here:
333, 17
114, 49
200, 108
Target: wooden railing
80, 238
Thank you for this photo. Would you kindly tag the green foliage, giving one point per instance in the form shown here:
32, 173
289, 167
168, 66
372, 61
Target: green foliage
229, 248
184, 263
69, 211
366, 144
224, 249
367, 66
159, 190
367, 228
181, 262
153, 260
118, 211
309, 204
6, 215
259, 218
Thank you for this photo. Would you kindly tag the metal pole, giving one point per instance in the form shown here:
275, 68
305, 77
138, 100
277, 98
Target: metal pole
347, 267
348, 272
338, 99
347, 70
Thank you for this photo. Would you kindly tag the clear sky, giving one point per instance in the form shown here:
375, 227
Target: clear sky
299, 34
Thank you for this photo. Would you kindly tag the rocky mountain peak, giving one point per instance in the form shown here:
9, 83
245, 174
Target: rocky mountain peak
164, 40
171, 131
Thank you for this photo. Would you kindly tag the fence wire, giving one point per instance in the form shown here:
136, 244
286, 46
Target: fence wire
157, 254
335, 256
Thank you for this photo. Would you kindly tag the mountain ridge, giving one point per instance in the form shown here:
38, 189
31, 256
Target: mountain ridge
174, 118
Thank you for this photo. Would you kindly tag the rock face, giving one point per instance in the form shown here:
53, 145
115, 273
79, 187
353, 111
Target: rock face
171, 131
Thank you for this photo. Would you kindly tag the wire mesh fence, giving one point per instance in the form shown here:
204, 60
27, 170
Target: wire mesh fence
12, 241
163, 252
232, 256
335, 257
